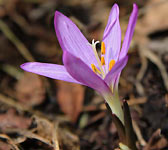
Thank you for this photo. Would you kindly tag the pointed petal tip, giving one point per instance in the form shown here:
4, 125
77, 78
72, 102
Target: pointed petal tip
23, 66
59, 17
52, 71
129, 32
115, 5
57, 13
71, 39
135, 9
135, 6
28, 66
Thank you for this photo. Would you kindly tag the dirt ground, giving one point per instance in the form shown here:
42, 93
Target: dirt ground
38, 113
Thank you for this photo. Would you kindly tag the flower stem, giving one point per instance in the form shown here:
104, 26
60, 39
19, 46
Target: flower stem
115, 105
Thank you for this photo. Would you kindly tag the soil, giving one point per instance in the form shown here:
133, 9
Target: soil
38, 113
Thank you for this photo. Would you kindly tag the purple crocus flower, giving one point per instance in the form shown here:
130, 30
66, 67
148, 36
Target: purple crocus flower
82, 64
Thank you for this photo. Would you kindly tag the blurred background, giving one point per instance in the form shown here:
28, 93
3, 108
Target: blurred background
38, 113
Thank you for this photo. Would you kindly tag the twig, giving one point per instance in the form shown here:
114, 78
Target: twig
20, 46
55, 137
29, 134
9, 140
9, 101
138, 133
141, 73
11, 70
156, 60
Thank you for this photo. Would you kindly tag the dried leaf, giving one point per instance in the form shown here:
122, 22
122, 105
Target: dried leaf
11, 120
30, 89
70, 98
155, 16
4, 146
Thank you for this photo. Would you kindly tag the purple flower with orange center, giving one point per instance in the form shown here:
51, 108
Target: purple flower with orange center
82, 64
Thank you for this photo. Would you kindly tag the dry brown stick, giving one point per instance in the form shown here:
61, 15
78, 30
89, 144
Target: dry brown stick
156, 60
11, 36
9, 101
9, 140
153, 139
55, 137
29, 134
141, 73
12, 71
53, 126
138, 133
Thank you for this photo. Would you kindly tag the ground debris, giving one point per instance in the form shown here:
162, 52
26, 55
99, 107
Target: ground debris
45, 114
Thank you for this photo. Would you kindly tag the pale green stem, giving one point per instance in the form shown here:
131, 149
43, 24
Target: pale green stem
115, 104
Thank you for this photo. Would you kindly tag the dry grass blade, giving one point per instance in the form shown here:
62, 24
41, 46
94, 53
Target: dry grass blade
156, 60
55, 137
138, 133
20, 46
29, 134
12, 71
11, 102
141, 73
9, 140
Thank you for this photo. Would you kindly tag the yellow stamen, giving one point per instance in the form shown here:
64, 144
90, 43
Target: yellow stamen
95, 70
97, 58
111, 64
102, 61
103, 50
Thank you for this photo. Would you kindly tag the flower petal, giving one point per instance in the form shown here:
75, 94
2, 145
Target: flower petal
112, 36
82, 73
129, 32
49, 70
72, 40
115, 71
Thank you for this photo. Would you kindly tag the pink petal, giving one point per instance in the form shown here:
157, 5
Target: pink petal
72, 40
82, 73
49, 70
115, 71
112, 36
129, 32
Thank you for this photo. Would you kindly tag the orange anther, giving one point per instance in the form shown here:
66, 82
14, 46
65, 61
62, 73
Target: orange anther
103, 50
93, 67
95, 70
102, 61
111, 64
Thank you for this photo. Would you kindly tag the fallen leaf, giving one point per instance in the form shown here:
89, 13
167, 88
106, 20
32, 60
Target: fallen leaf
155, 17
4, 146
12, 120
156, 142
70, 98
30, 89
